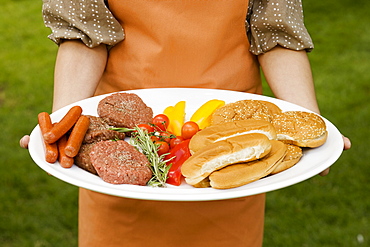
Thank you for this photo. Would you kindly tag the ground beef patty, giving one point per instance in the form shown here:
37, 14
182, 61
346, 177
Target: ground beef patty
124, 110
98, 131
117, 162
82, 159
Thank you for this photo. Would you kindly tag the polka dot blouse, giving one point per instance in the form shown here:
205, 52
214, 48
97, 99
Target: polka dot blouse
268, 23
277, 22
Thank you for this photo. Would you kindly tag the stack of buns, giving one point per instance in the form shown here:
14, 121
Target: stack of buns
249, 140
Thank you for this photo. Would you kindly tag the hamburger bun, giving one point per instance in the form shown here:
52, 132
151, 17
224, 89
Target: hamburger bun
217, 155
293, 155
220, 132
273, 108
245, 109
303, 129
241, 174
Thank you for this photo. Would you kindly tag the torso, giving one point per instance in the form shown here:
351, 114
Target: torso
180, 43
176, 43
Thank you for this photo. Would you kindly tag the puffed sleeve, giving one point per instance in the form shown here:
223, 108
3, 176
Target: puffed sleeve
277, 22
88, 20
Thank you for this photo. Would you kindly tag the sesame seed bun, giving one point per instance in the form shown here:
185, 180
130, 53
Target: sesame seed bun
273, 108
303, 129
245, 109
294, 154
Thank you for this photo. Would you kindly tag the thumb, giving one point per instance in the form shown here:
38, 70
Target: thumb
23, 142
325, 172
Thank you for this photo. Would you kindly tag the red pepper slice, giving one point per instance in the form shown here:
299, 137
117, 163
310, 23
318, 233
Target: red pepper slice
180, 152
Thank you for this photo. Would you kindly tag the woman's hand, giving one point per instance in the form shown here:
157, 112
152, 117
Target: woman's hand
23, 142
289, 75
347, 145
78, 70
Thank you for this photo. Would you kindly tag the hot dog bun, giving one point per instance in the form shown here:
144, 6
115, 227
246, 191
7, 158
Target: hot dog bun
223, 153
205, 183
220, 132
245, 109
241, 174
303, 129
293, 155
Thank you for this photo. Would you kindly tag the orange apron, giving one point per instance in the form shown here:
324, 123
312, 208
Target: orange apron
176, 43
181, 43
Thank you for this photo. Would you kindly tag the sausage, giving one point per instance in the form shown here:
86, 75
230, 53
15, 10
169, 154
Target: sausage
77, 136
64, 160
58, 130
51, 150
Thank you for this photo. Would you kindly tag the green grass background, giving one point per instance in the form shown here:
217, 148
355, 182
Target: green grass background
39, 210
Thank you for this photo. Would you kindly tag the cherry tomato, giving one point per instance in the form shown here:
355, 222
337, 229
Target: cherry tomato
189, 129
175, 141
146, 127
161, 121
163, 147
154, 138
165, 136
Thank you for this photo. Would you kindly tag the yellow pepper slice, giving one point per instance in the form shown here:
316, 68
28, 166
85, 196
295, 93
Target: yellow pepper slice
202, 116
176, 114
168, 111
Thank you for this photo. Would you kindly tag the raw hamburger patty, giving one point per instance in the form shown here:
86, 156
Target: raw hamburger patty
117, 162
98, 131
124, 110
82, 159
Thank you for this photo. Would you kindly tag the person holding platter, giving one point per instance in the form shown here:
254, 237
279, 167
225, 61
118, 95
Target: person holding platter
114, 45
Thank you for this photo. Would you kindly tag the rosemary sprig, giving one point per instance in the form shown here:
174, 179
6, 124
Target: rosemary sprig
141, 140
123, 130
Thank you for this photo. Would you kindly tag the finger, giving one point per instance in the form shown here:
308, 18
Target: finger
325, 172
23, 142
347, 143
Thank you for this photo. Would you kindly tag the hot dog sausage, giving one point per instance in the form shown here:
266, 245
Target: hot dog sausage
77, 135
51, 150
64, 160
64, 125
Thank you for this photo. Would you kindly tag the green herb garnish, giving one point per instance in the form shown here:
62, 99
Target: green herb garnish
142, 141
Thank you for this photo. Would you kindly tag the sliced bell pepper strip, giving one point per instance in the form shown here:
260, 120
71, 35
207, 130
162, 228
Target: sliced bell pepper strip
168, 110
202, 116
179, 154
176, 114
